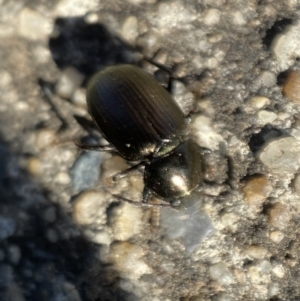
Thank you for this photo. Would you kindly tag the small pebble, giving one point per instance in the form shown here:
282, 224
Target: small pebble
279, 216
185, 223
86, 171
238, 18
276, 236
34, 166
33, 25
267, 79
45, 138
278, 271
291, 86
127, 221
259, 102
256, 189
89, 208
79, 98
281, 155
286, 46
207, 136
266, 116
62, 178
256, 252
230, 220
128, 259
221, 273
212, 17
273, 289
70, 80
129, 29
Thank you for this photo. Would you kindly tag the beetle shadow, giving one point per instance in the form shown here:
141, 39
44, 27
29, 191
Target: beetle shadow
87, 47
43, 253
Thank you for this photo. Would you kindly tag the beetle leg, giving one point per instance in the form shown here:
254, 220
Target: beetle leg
94, 147
128, 171
140, 204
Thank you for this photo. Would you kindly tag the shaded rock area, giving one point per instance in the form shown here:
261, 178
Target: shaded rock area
63, 236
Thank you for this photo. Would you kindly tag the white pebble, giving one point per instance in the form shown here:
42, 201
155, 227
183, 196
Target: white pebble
212, 16
33, 25
257, 252
127, 258
220, 273
207, 136
276, 236
70, 80
238, 18
286, 46
89, 209
62, 178
129, 29
273, 289
266, 116
75, 8
127, 221
259, 102
281, 155
45, 137
278, 271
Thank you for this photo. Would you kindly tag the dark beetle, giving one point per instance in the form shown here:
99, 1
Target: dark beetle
142, 122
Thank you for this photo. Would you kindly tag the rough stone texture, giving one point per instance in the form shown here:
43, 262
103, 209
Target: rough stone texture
60, 227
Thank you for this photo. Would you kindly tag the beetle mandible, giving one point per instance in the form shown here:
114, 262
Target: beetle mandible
142, 122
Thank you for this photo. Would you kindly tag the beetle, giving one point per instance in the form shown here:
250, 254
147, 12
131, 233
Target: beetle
142, 122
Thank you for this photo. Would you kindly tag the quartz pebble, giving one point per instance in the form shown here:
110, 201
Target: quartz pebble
276, 236
259, 102
128, 259
33, 25
129, 29
278, 271
256, 190
186, 223
127, 221
279, 216
89, 209
286, 46
266, 116
212, 17
45, 137
70, 80
34, 166
221, 273
257, 252
281, 155
207, 136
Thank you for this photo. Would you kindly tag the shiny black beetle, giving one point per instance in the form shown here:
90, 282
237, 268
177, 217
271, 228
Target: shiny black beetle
142, 122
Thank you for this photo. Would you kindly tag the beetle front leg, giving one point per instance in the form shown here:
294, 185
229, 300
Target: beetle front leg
94, 147
128, 171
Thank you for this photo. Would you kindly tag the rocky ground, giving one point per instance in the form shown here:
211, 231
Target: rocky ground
62, 234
